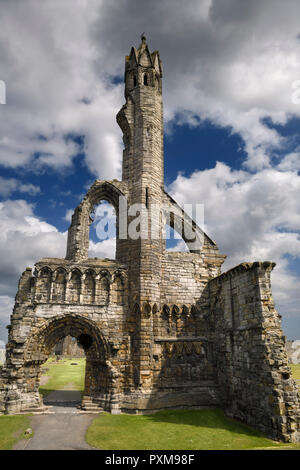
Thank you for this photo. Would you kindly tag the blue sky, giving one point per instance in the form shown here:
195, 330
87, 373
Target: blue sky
232, 138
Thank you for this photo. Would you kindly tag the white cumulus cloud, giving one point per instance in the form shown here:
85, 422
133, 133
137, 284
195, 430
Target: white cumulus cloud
231, 62
252, 217
24, 239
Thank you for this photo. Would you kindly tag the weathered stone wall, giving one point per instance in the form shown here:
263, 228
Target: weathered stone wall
86, 301
253, 373
184, 276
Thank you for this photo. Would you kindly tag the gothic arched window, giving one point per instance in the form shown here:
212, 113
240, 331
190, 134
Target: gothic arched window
103, 231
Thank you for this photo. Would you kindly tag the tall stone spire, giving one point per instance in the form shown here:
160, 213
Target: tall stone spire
141, 118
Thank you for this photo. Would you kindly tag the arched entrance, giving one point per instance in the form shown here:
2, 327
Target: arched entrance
99, 386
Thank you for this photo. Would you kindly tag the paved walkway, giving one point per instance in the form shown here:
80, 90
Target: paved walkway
63, 430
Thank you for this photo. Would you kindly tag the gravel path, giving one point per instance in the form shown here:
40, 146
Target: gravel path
64, 429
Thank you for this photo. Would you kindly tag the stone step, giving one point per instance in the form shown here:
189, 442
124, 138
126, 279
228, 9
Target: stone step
91, 405
41, 410
89, 402
91, 410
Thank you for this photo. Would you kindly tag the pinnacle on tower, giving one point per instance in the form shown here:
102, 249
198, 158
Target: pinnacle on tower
139, 62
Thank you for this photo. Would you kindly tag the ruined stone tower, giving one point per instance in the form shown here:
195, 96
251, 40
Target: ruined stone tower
160, 329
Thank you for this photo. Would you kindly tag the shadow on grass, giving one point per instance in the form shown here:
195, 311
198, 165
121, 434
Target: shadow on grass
204, 429
213, 418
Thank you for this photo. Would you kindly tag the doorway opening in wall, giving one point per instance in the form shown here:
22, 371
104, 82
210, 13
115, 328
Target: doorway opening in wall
174, 241
102, 242
62, 379
89, 377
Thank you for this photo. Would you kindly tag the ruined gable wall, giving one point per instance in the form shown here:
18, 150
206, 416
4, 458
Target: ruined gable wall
252, 364
184, 276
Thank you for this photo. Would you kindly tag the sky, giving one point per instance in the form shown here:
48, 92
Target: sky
231, 91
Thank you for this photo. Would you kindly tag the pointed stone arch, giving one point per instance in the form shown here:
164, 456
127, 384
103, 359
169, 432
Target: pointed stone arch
78, 233
98, 379
102, 287
58, 287
174, 318
118, 288
74, 286
43, 284
88, 287
146, 79
147, 310
194, 237
47, 335
186, 228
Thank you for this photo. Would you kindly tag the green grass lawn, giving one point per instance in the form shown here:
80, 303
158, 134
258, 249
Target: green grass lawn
63, 373
206, 429
179, 430
12, 429
295, 371
60, 374
167, 430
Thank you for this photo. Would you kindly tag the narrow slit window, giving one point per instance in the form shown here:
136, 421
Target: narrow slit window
145, 79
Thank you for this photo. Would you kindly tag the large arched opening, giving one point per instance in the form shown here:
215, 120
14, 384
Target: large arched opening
98, 375
84, 215
174, 241
102, 237
181, 230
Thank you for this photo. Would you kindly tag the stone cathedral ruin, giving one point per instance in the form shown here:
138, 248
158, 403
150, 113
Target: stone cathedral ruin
160, 329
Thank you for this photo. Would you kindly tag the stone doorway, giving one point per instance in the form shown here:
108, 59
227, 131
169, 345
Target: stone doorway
97, 387
62, 381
